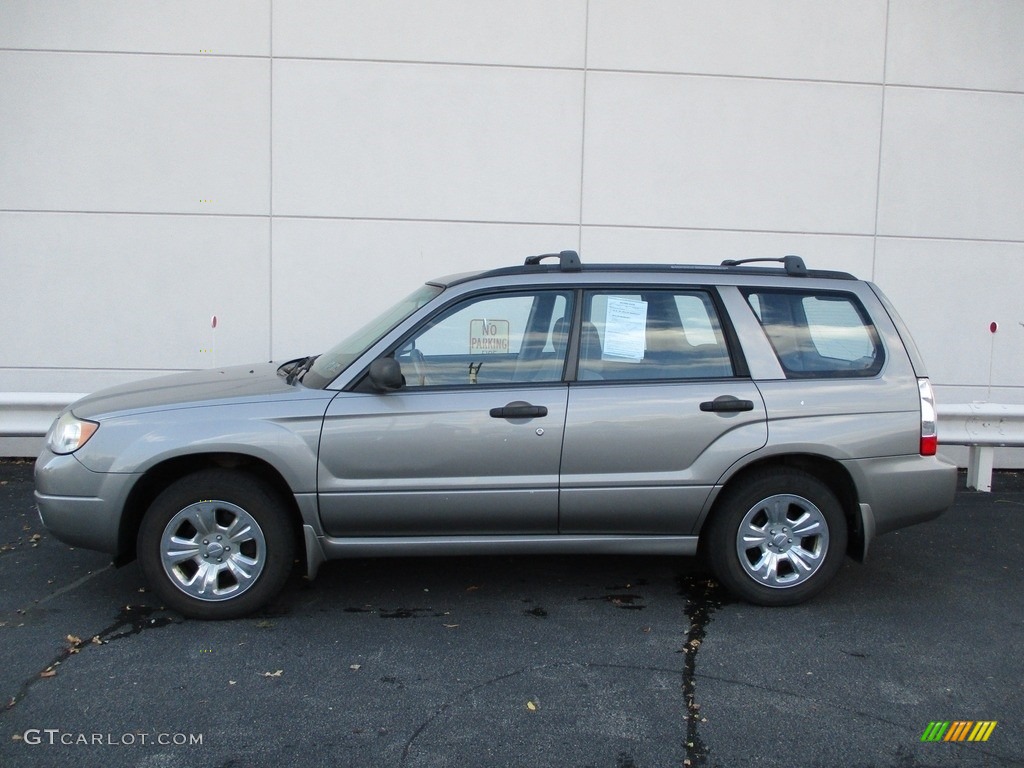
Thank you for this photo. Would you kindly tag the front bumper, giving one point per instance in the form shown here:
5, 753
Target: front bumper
78, 506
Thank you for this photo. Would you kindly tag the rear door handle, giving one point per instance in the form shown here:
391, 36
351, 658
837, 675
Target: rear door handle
519, 410
727, 404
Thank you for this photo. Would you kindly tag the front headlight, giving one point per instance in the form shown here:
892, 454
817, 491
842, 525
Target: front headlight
69, 433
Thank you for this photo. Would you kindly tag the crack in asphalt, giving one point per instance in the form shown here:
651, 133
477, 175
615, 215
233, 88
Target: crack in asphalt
703, 596
469, 690
131, 620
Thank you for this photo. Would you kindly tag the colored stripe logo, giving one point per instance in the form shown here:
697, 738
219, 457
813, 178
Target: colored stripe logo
959, 730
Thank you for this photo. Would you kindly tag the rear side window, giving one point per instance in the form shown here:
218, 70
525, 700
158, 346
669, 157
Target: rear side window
652, 334
818, 334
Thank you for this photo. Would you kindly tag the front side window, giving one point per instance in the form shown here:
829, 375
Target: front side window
491, 339
818, 334
651, 334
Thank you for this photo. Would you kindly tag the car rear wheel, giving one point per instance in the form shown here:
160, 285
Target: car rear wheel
216, 544
777, 538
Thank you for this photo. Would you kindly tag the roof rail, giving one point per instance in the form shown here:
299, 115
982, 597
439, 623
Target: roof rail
568, 261
794, 265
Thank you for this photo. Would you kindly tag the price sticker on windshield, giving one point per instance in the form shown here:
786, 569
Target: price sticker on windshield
488, 337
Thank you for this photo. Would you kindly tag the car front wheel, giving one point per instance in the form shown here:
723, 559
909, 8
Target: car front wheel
216, 544
777, 538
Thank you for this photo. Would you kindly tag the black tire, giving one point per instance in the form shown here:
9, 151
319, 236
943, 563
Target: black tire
216, 544
777, 537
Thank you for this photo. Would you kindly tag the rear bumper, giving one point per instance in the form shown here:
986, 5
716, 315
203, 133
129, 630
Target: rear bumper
78, 506
898, 491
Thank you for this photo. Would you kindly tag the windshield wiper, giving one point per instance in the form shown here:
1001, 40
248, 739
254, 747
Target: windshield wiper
295, 369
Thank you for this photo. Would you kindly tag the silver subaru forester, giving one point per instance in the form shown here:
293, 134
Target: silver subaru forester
772, 419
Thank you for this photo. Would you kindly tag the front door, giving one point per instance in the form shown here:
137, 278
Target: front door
471, 444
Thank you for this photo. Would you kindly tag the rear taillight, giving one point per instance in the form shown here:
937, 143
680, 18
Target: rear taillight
929, 431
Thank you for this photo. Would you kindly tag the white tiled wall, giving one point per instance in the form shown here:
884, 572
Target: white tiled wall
223, 28
124, 133
971, 44
112, 291
291, 165
534, 33
460, 143
952, 164
730, 153
837, 40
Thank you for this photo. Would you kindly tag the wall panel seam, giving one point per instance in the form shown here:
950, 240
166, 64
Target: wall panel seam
881, 140
540, 67
511, 222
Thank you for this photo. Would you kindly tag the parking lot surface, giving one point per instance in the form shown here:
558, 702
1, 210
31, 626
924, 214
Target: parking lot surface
525, 661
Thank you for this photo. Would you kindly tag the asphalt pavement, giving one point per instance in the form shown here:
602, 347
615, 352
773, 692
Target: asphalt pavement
525, 661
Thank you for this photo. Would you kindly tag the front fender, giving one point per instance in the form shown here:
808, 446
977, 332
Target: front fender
284, 434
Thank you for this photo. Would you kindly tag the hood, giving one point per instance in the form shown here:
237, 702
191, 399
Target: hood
237, 384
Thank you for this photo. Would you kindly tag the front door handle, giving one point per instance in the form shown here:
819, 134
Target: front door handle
519, 410
727, 404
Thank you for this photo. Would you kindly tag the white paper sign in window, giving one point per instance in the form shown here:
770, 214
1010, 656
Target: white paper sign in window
625, 329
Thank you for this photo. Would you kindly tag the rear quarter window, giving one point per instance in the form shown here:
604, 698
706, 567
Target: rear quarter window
818, 334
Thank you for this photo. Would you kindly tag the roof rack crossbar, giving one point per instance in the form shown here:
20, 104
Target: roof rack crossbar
568, 261
794, 265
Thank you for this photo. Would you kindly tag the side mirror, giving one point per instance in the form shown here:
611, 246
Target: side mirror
386, 375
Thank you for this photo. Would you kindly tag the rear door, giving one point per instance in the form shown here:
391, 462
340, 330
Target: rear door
659, 411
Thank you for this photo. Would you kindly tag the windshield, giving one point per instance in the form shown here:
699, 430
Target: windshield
342, 355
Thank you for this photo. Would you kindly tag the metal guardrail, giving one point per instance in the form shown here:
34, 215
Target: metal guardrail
982, 427
29, 414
